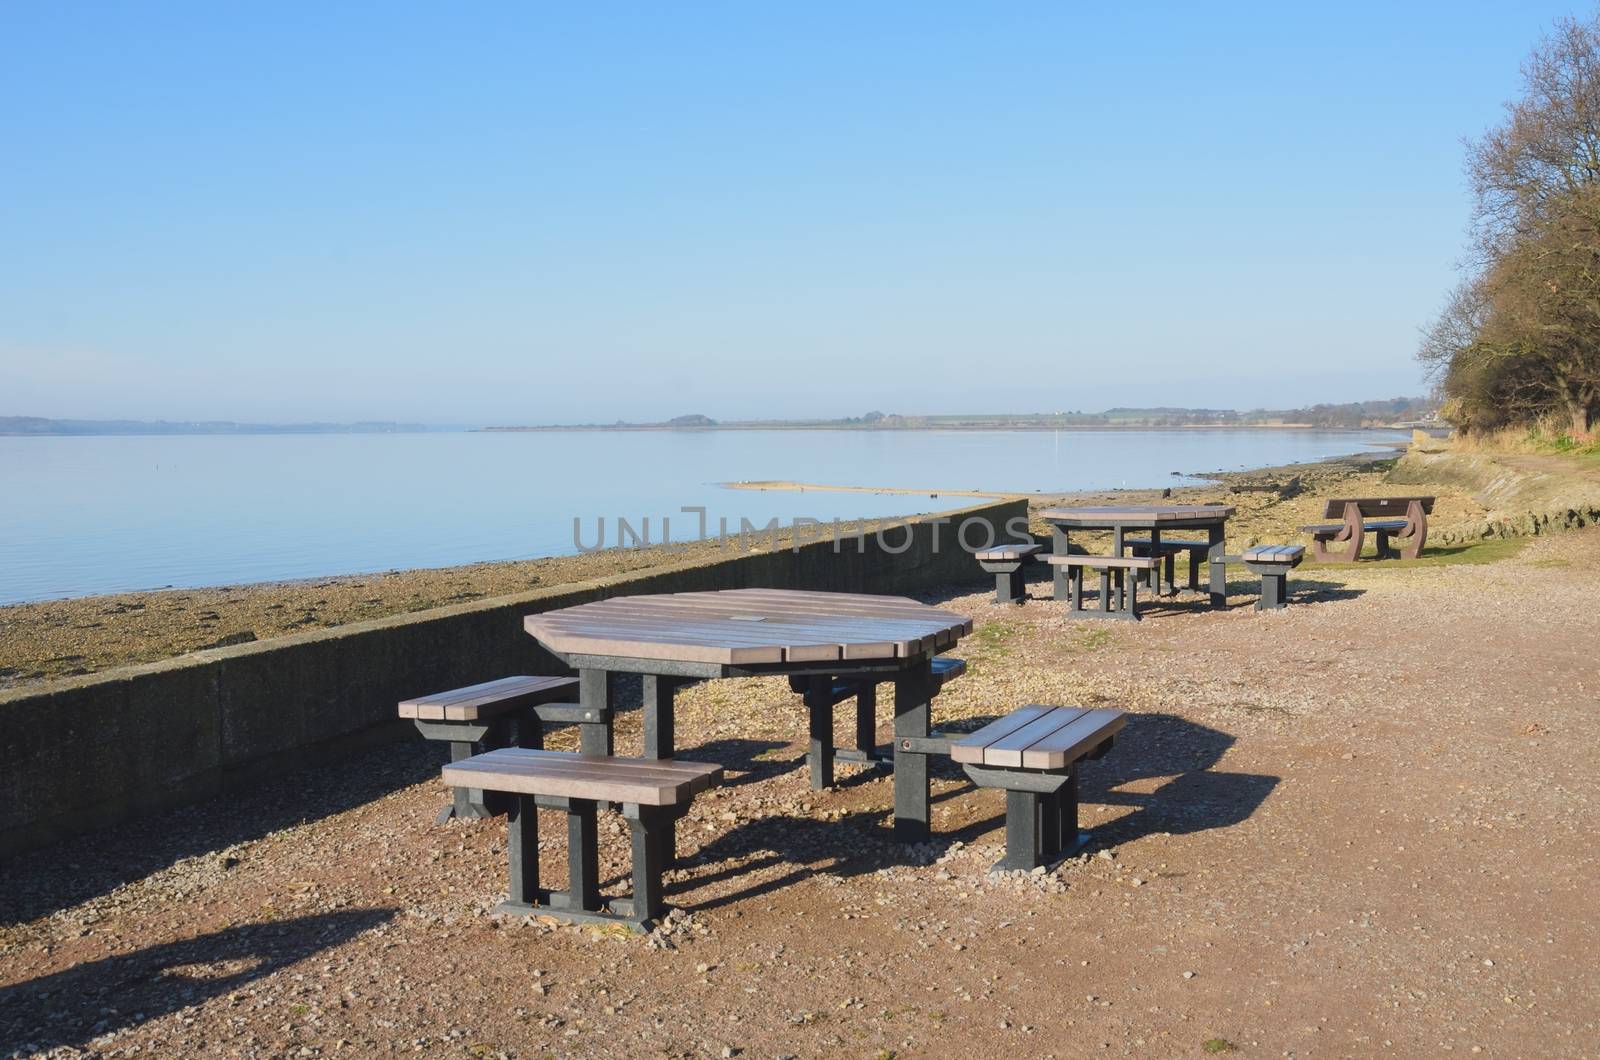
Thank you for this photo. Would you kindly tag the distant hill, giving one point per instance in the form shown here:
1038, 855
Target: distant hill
1390, 412
40, 425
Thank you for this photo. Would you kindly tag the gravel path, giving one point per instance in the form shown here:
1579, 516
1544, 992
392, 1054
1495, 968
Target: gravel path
1361, 826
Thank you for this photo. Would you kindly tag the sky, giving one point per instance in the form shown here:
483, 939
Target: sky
521, 213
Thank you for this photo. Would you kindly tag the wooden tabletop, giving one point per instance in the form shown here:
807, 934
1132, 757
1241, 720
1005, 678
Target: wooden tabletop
1153, 513
750, 626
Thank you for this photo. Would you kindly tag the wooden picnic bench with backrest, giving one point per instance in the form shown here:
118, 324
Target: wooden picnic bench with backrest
1033, 754
1385, 517
1117, 579
511, 711
651, 792
821, 693
1006, 563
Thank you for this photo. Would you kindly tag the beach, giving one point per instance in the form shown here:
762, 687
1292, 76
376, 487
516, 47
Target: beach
1345, 828
65, 638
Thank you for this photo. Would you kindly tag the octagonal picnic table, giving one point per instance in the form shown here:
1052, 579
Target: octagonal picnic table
1156, 518
673, 639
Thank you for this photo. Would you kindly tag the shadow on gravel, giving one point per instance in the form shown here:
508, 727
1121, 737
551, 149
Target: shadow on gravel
1194, 798
748, 761
71, 1007
1307, 590
57, 877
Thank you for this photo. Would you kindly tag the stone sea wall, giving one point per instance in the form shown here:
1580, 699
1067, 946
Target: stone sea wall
1525, 497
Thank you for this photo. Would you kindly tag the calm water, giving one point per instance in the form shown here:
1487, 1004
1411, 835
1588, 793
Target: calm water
97, 515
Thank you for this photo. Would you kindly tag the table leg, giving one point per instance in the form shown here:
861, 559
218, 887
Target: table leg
658, 715
1059, 546
1217, 569
913, 695
594, 693
658, 743
1154, 579
466, 804
522, 848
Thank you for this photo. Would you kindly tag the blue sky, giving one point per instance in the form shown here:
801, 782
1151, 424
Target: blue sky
512, 214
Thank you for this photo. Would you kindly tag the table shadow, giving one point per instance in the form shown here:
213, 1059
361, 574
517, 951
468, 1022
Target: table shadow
67, 1009
40, 882
1192, 797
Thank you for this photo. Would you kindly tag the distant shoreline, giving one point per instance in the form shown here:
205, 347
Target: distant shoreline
663, 428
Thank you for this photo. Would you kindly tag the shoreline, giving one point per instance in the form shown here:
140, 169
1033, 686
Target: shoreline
929, 427
1206, 479
47, 640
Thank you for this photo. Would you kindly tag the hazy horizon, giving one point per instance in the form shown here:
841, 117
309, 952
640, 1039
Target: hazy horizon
506, 216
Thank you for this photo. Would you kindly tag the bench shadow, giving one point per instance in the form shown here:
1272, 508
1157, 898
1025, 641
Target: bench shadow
59, 876
1193, 797
69, 1008
1300, 591
1305, 590
745, 761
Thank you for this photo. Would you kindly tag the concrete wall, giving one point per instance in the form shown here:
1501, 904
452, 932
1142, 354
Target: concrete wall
88, 752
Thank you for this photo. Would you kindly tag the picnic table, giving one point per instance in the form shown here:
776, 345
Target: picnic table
1156, 519
673, 639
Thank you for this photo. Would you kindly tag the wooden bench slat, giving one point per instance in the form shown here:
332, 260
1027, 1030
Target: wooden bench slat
1097, 562
1274, 553
1070, 742
1003, 553
1375, 506
1008, 750
488, 699
527, 759
945, 668
646, 781
970, 748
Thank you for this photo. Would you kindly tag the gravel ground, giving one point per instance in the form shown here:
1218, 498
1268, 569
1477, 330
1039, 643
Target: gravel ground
1364, 825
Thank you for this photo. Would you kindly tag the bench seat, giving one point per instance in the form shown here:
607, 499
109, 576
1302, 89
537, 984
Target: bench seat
1101, 562
1169, 550
602, 778
1005, 562
1273, 563
821, 694
1119, 586
490, 699
508, 712
1290, 554
1009, 553
1033, 754
1385, 517
652, 794
1329, 529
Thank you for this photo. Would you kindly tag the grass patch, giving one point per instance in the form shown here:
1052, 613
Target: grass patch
1492, 550
991, 640
1218, 1045
1091, 639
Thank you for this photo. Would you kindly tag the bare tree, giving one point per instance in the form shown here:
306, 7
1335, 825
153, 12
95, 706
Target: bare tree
1521, 337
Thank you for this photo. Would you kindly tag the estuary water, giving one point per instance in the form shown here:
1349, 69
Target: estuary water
86, 515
